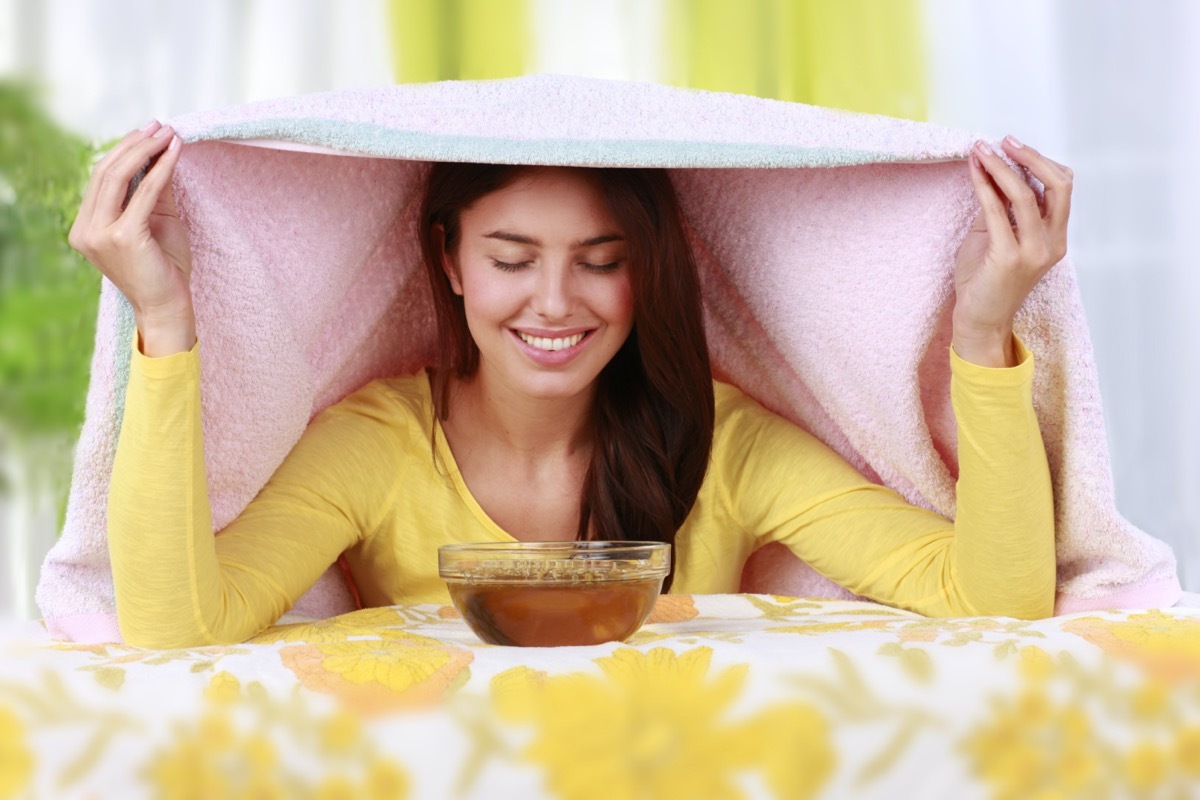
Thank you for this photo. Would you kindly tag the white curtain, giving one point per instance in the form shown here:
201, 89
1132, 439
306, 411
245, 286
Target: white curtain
1111, 89
108, 65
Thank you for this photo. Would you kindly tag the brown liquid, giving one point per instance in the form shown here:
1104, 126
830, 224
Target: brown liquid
552, 615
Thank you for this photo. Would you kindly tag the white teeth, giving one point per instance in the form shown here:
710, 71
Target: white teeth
542, 343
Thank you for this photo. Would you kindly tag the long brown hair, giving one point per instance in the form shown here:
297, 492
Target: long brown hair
653, 413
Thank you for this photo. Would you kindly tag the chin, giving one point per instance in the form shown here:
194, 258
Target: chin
556, 387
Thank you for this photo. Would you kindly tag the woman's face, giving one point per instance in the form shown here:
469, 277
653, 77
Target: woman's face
543, 272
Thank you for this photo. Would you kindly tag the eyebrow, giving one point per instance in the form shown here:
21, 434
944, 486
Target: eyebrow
519, 239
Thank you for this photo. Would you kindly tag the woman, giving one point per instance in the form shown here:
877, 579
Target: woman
572, 399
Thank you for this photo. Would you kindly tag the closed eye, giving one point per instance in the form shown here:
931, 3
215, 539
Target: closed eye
505, 266
602, 267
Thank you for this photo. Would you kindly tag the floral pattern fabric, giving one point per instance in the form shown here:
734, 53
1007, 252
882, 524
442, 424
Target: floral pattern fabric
717, 696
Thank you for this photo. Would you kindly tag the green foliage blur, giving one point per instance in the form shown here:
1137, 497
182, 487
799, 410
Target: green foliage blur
48, 295
48, 292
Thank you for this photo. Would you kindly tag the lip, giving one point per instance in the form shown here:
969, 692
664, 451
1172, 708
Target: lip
552, 358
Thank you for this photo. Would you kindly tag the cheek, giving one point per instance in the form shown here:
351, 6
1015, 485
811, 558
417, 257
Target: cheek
488, 300
620, 302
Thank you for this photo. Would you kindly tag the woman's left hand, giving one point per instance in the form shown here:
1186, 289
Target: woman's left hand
999, 263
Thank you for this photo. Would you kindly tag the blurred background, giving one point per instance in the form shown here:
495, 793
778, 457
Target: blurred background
1109, 87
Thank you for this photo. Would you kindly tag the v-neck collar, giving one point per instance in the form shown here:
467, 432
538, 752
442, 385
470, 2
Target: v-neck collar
442, 447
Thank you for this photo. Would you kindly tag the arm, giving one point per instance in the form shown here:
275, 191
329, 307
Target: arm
997, 559
1004, 525
178, 586
174, 585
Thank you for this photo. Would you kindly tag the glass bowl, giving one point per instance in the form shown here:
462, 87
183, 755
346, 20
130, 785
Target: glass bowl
548, 594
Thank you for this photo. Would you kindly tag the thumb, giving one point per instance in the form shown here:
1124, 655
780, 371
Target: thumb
164, 204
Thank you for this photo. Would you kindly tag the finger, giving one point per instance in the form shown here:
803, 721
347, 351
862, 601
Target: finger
994, 212
156, 183
1034, 161
88, 204
1018, 193
1057, 179
114, 187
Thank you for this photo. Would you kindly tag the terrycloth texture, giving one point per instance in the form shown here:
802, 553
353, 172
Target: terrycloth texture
825, 240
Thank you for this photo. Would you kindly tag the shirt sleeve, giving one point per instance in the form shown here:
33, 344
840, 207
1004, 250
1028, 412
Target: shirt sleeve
996, 559
179, 586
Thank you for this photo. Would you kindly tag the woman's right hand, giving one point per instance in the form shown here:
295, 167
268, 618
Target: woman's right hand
143, 249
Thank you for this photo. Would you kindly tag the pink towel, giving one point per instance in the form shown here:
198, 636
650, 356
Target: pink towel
826, 243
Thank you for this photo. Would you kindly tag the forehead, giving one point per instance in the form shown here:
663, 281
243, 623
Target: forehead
543, 196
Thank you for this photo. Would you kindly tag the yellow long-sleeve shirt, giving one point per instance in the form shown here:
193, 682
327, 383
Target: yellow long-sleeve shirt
369, 478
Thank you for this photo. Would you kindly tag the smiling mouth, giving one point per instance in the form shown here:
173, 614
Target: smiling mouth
550, 345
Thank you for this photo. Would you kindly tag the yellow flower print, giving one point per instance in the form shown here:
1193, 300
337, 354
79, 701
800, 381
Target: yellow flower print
1165, 646
673, 608
1034, 745
372, 676
655, 725
1187, 751
224, 688
16, 760
1036, 664
375, 622
911, 633
226, 753
385, 781
214, 760
790, 743
1146, 766
100, 649
823, 628
1151, 700
341, 732
1078, 767
517, 694
336, 788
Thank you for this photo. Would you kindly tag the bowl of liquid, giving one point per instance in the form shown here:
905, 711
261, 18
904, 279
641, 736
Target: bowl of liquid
551, 594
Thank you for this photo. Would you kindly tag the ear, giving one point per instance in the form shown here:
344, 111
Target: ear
448, 265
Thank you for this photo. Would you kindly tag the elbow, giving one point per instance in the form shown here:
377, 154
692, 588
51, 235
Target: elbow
159, 639
153, 627
1043, 605
1027, 610
1017, 608
158, 629
1004, 585
1043, 608
1037, 602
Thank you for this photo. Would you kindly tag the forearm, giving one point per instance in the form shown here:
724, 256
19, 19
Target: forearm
775, 482
166, 576
1004, 550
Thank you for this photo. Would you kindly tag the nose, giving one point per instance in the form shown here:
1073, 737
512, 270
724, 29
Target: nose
553, 294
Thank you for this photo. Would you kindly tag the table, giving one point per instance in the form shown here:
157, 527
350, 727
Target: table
716, 696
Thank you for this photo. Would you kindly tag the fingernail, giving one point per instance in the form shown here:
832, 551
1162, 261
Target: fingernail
174, 145
984, 149
161, 132
1013, 141
146, 128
